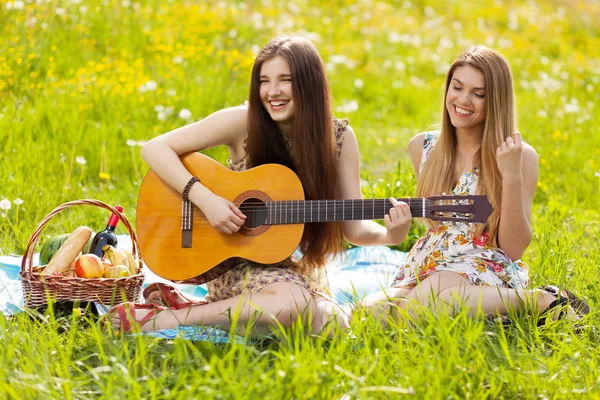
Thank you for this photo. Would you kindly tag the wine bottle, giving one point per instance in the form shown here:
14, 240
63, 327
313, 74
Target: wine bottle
107, 236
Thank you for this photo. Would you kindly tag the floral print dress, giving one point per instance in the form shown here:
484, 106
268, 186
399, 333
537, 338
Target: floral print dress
248, 277
450, 246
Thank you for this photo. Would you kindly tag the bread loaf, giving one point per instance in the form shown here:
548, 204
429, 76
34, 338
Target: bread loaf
64, 257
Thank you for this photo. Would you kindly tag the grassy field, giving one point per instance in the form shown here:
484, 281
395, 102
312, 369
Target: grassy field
84, 83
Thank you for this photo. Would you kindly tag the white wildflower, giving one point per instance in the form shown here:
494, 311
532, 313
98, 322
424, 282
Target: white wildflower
185, 114
151, 86
159, 108
59, 11
171, 92
5, 205
81, 160
141, 143
348, 107
131, 143
177, 60
161, 116
359, 83
18, 5
18, 201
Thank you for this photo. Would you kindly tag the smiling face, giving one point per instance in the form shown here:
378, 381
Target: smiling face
465, 99
276, 90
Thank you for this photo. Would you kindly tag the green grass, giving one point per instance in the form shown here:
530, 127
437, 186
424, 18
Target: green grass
71, 86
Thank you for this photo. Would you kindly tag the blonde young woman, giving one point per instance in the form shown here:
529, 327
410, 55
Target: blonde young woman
477, 151
288, 121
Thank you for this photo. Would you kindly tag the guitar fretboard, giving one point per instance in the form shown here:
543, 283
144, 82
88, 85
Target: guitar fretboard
302, 211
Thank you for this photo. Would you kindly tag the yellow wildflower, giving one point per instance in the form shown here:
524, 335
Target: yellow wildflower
104, 176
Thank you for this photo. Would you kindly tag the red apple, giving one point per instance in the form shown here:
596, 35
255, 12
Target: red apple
89, 266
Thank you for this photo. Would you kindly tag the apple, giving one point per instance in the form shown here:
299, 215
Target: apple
106, 263
89, 266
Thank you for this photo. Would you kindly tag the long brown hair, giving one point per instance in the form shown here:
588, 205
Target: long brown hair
312, 154
500, 123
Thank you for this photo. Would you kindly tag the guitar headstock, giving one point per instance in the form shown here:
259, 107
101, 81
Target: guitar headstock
467, 208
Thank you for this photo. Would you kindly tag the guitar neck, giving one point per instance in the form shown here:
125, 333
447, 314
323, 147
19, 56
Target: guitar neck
303, 211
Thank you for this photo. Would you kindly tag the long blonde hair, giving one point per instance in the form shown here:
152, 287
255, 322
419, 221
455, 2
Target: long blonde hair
437, 174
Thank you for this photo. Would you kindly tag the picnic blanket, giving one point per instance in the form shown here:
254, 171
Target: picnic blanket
356, 273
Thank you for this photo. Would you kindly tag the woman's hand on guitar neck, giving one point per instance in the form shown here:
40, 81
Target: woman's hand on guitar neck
222, 214
397, 221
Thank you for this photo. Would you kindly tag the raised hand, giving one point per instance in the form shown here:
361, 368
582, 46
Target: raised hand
397, 221
509, 157
222, 214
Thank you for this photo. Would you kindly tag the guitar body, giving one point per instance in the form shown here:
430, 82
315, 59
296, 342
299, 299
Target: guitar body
159, 212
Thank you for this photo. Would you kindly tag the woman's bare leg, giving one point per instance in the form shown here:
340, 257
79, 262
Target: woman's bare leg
276, 303
495, 300
410, 298
328, 315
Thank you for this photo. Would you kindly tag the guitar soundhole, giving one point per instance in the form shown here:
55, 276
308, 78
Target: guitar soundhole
255, 211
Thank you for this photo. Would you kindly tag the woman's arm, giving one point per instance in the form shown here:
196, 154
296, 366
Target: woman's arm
225, 127
518, 164
367, 233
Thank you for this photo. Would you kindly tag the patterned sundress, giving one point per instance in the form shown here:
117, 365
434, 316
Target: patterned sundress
249, 277
451, 247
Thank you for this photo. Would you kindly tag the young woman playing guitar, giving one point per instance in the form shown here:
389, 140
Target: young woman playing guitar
288, 121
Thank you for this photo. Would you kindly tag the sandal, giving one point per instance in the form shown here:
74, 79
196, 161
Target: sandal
169, 296
563, 298
126, 312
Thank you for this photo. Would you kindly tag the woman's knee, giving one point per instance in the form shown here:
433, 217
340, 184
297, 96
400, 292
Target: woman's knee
295, 302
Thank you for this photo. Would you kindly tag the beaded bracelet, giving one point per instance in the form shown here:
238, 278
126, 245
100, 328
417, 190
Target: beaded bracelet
188, 187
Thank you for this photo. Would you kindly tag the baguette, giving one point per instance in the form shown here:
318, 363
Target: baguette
67, 253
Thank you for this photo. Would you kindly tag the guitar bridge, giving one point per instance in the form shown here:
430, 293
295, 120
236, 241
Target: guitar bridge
187, 217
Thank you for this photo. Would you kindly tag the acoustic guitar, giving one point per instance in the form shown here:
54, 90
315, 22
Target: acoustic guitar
178, 243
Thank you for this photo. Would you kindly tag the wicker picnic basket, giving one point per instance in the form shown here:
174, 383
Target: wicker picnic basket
37, 289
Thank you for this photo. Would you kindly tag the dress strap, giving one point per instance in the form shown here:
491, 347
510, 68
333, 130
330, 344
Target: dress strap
339, 128
428, 143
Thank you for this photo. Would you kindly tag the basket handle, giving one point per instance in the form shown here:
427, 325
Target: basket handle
27, 260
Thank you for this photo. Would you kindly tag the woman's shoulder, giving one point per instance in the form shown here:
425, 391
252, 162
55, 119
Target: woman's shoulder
420, 146
530, 156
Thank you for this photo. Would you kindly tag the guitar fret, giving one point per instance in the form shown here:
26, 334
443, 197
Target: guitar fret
373, 204
325, 210
362, 206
